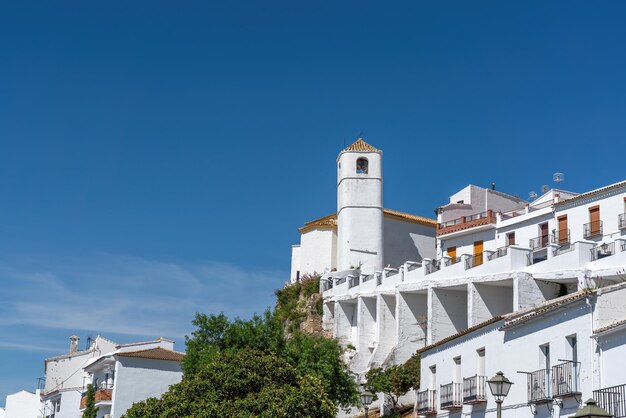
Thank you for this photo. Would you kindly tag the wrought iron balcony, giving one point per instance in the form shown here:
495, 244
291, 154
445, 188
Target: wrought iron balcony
500, 252
602, 251
433, 266
451, 261
473, 261
427, 402
538, 385
540, 242
561, 236
592, 229
102, 395
621, 221
474, 389
612, 399
353, 281
451, 396
565, 379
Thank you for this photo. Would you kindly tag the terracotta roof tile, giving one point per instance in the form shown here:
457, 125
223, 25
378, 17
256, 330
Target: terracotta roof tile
592, 193
609, 327
459, 334
530, 313
330, 221
361, 146
157, 353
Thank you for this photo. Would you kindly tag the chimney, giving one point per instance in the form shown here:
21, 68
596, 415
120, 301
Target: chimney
74, 344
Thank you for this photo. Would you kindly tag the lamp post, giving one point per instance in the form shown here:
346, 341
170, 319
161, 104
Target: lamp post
366, 401
592, 410
499, 386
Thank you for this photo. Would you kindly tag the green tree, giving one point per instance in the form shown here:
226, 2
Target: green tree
395, 381
243, 383
90, 403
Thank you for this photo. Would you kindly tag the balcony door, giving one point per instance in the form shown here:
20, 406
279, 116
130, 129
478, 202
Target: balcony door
543, 234
594, 219
452, 254
478, 253
563, 231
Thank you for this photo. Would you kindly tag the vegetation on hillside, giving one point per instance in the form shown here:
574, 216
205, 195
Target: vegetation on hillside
292, 301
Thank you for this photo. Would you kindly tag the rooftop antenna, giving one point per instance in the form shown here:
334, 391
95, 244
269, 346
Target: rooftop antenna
532, 195
545, 188
558, 178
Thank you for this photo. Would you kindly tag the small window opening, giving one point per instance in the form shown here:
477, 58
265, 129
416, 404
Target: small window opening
361, 166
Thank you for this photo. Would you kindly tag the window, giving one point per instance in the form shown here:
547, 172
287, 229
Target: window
460, 202
361, 166
481, 362
510, 238
572, 345
433, 377
457, 370
545, 354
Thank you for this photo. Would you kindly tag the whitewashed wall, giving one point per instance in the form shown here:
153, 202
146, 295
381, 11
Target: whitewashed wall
137, 379
22, 404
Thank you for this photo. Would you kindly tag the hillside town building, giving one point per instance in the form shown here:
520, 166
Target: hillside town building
121, 374
466, 279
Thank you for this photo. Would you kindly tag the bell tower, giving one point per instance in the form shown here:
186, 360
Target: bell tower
360, 208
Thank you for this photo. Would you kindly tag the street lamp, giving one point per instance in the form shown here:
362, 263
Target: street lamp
366, 401
499, 386
592, 410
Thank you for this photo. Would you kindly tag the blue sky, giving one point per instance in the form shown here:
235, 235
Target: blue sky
156, 158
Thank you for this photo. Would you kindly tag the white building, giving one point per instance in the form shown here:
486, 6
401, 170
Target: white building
65, 378
362, 234
132, 373
121, 373
558, 354
495, 255
22, 404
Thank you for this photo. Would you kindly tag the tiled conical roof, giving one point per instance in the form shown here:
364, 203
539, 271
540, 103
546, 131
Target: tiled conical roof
362, 146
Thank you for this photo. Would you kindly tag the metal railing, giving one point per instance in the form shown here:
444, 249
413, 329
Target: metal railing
413, 266
500, 252
612, 399
433, 266
561, 236
327, 284
353, 281
565, 378
366, 277
621, 221
451, 261
540, 242
538, 385
427, 402
592, 229
473, 261
340, 280
602, 251
474, 389
476, 216
451, 396
452, 222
